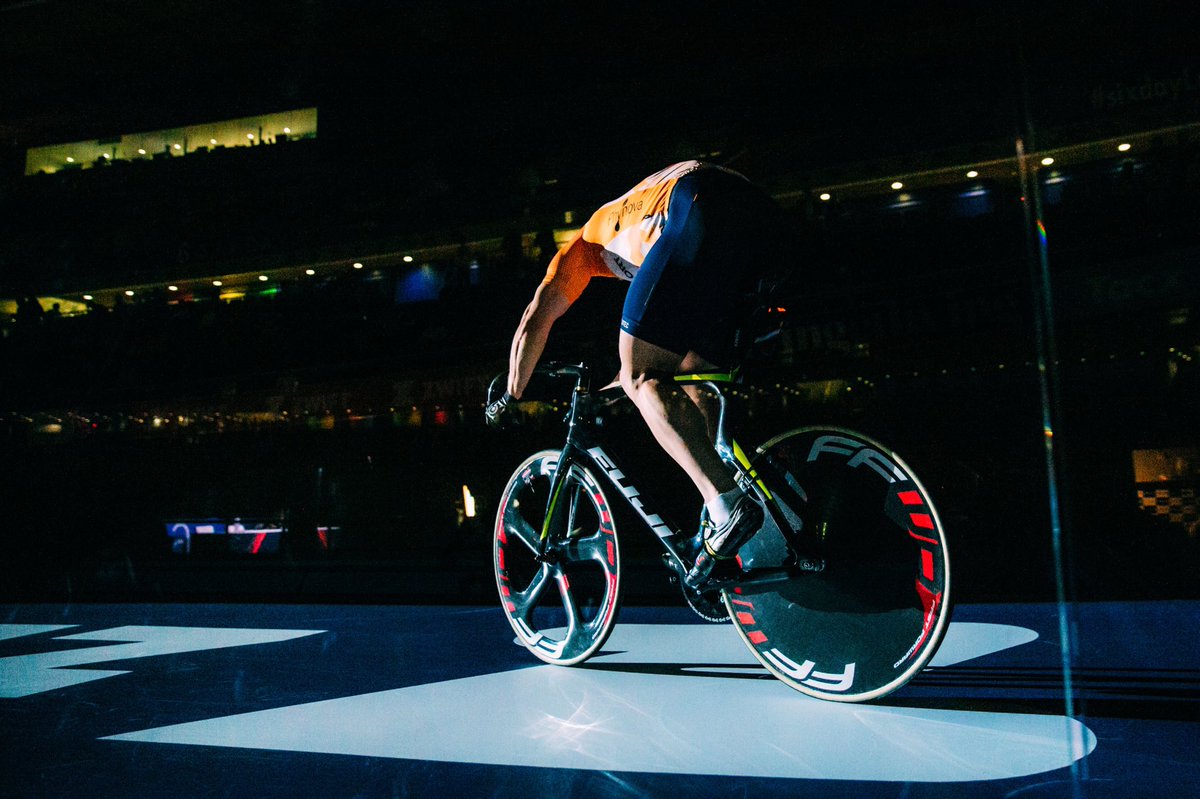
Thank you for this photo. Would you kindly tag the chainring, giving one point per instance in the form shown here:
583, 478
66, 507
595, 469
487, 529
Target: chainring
709, 606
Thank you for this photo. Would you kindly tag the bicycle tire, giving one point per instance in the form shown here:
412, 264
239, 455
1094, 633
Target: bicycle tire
585, 562
870, 621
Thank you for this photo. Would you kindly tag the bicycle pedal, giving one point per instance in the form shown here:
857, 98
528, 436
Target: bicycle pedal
721, 572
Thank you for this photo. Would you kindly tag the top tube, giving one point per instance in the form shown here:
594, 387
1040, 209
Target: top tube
708, 377
582, 373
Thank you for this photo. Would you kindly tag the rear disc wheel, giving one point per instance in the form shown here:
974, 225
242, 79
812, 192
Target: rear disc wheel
870, 621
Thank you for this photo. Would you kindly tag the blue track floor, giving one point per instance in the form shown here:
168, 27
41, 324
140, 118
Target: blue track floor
400, 701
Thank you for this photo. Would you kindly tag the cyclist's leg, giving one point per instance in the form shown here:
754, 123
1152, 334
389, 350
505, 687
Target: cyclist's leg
658, 322
647, 374
702, 397
675, 420
680, 306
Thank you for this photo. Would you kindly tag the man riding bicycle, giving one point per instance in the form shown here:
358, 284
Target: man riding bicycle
692, 240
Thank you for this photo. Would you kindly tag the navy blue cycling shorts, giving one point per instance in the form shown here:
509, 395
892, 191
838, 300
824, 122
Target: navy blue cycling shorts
689, 295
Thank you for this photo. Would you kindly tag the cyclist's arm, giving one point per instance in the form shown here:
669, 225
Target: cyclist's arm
567, 276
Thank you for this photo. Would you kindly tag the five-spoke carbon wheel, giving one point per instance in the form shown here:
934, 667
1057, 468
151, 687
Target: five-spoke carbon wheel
561, 598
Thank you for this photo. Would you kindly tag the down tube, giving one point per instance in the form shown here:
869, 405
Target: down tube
668, 534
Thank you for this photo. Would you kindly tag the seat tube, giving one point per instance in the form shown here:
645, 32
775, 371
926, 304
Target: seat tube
733, 456
725, 446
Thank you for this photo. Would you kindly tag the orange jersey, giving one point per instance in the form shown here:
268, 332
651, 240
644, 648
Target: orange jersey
615, 239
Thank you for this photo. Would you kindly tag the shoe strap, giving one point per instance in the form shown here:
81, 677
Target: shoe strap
717, 555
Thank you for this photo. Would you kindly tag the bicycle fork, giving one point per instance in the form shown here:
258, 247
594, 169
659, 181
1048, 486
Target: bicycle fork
556, 505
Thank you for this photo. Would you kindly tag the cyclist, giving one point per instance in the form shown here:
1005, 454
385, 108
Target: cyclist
692, 240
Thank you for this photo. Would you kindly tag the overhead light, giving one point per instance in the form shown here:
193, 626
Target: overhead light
825, 197
70, 160
250, 136
106, 155
128, 292
1124, 146
972, 174
172, 288
1047, 161
263, 278
287, 130
217, 283
178, 146
212, 141
408, 259
358, 265
310, 271
897, 185
141, 151
88, 297
468, 503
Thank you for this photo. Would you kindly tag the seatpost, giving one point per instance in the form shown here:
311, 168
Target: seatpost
729, 451
724, 449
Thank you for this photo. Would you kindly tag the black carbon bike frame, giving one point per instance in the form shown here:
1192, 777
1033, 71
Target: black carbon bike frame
585, 443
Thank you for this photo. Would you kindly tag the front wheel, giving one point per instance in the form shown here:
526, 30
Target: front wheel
872, 619
564, 605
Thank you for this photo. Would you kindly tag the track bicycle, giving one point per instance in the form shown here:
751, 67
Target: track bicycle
843, 594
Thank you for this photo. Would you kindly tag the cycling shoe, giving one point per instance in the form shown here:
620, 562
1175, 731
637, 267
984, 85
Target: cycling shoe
723, 543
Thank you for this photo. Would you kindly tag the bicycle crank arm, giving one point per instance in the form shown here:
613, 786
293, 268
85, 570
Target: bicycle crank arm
757, 577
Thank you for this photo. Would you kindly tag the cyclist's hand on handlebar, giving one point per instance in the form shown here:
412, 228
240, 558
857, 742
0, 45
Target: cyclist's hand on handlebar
501, 412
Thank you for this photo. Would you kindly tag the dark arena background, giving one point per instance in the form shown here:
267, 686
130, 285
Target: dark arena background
259, 263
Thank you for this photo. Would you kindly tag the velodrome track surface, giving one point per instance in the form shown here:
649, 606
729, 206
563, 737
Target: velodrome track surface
265, 700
